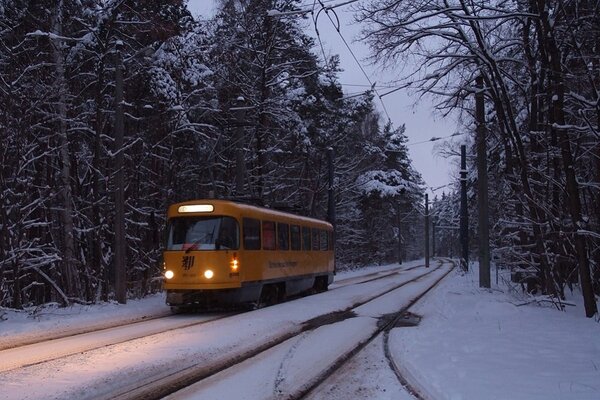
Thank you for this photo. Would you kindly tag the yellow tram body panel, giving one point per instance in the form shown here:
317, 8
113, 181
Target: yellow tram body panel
191, 268
212, 247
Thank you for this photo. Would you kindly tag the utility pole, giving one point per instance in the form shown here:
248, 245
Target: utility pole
119, 223
240, 166
433, 237
426, 230
399, 232
464, 213
482, 188
330, 185
331, 195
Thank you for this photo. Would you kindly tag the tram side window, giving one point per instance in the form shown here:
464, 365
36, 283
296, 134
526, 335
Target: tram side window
315, 239
324, 240
268, 235
330, 239
306, 238
229, 235
295, 237
283, 236
251, 234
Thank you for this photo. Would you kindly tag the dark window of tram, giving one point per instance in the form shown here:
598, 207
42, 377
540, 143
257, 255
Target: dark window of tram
268, 235
324, 240
295, 237
305, 238
315, 239
229, 236
251, 229
283, 236
330, 239
200, 233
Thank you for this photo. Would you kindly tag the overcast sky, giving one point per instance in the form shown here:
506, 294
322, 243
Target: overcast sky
421, 123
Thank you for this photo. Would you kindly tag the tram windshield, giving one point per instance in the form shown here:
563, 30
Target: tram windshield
203, 233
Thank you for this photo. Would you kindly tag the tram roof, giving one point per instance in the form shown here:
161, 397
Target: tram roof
222, 206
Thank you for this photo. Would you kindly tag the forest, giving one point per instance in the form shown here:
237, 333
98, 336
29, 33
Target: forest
540, 65
101, 97
251, 79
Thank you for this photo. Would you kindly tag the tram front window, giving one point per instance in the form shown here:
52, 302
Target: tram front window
203, 233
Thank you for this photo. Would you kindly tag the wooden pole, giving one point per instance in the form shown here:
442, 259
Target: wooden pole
482, 188
464, 212
119, 223
426, 230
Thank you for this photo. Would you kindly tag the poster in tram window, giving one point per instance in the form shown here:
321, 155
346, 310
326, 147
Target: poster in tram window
268, 234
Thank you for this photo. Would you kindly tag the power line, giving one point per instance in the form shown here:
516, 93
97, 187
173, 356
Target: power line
363, 85
435, 139
337, 28
312, 3
325, 59
276, 13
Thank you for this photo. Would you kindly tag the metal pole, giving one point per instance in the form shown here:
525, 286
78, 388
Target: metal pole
330, 192
433, 237
482, 189
119, 223
426, 230
399, 232
331, 195
464, 214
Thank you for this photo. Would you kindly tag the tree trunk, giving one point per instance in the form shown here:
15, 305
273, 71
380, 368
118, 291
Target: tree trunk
69, 268
572, 187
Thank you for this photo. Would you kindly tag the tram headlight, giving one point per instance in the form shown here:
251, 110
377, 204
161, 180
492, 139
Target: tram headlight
208, 274
169, 274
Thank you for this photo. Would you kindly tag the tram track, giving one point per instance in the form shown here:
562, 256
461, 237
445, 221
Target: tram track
15, 341
371, 277
50, 338
192, 374
387, 323
173, 378
57, 348
394, 365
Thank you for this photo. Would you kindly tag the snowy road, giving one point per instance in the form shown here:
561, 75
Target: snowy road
119, 368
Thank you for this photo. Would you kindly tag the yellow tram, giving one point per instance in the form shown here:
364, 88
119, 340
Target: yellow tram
225, 252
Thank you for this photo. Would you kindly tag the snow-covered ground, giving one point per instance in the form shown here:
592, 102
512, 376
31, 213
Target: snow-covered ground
471, 344
490, 344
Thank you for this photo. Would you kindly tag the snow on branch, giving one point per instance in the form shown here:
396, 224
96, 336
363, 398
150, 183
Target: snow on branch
53, 36
383, 183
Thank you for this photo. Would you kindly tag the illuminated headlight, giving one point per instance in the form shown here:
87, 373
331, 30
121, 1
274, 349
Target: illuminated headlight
208, 274
234, 265
196, 208
169, 274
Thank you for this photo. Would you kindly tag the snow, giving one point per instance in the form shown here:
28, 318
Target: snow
385, 183
480, 344
266, 379
40, 322
471, 343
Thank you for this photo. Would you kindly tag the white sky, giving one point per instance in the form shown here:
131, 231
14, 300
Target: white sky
421, 123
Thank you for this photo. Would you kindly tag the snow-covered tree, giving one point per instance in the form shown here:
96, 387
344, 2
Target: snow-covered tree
539, 119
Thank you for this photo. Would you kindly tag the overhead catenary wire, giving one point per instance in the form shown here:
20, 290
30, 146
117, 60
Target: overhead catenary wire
337, 28
325, 58
433, 139
336, 25
363, 85
277, 13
